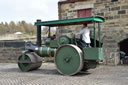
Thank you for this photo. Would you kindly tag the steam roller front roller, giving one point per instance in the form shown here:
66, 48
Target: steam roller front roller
69, 60
29, 61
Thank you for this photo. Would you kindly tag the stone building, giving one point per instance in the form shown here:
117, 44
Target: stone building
114, 30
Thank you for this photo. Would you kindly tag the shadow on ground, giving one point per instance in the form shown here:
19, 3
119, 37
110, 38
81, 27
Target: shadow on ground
38, 71
41, 71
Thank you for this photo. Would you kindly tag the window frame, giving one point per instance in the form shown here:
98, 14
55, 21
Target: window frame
84, 11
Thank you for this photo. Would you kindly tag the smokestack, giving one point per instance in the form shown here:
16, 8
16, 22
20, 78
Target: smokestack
38, 34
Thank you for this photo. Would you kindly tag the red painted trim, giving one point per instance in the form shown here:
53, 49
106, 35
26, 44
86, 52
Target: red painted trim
84, 13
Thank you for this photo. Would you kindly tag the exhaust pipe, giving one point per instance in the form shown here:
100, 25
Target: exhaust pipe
38, 43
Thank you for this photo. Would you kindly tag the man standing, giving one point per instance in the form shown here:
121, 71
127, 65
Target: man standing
85, 33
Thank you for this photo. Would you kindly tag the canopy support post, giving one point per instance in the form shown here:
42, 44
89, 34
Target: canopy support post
94, 27
99, 34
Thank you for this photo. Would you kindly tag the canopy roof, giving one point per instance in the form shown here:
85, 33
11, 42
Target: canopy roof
75, 21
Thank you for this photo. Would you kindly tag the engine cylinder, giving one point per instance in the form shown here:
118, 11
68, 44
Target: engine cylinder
44, 51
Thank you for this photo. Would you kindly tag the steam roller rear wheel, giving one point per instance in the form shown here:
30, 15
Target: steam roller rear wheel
29, 61
69, 60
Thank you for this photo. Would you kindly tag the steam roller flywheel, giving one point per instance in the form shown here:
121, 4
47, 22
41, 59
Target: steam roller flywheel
63, 39
29, 61
69, 60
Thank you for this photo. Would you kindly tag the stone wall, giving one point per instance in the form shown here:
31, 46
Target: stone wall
10, 50
114, 29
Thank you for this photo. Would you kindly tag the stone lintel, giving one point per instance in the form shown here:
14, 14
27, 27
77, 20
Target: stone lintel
86, 6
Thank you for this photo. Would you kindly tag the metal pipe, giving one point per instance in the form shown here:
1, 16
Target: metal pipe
49, 34
38, 34
99, 34
94, 27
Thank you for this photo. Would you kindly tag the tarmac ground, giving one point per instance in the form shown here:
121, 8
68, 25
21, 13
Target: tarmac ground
47, 74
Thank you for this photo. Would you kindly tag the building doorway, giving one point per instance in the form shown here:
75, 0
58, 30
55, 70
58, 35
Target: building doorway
124, 51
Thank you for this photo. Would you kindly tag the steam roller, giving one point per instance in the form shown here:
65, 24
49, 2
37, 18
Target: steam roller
70, 55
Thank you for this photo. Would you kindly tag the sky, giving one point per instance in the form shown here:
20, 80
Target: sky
28, 10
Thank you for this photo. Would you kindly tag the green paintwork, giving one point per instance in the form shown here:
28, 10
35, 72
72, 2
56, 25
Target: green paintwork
28, 61
54, 44
44, 51
63, 40
67, 60
53, 52
72, 40
47, 41
51, 43
93, 53
99, 34
70, 21
24, 66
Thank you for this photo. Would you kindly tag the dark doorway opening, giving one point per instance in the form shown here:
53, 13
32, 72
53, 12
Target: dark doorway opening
124, 46
124, 51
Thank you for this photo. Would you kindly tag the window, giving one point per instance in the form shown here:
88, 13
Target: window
114, 0
84, 13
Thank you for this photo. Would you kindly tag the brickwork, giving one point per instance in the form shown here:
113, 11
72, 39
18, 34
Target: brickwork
115, 28
10, 50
